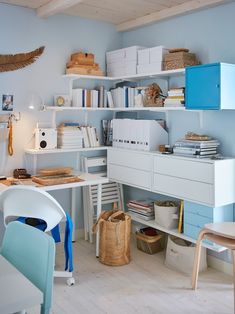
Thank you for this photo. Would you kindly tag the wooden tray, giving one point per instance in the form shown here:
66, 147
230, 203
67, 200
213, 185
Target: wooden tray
58, 179
55, 171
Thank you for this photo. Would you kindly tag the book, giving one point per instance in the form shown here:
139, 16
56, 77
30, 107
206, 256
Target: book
180, 225
110, 100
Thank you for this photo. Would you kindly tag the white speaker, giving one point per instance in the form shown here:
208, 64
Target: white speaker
45, 138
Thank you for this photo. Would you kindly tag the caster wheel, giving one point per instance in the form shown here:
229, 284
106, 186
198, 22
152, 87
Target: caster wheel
70, 281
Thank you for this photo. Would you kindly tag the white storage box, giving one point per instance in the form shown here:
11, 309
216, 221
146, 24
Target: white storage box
115, 56
149, 68
143, 56
156, 54
166, 214
124, 68
125, 54
180, 255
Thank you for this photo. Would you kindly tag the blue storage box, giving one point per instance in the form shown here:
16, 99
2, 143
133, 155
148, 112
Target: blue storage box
210, 86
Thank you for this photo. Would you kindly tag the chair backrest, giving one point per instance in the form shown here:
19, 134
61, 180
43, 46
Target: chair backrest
111, 191
29, 201
32, 252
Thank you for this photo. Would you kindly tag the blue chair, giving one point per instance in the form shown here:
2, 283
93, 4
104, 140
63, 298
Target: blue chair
32, 252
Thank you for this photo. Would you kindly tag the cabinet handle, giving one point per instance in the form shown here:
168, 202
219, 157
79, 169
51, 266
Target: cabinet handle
218, 85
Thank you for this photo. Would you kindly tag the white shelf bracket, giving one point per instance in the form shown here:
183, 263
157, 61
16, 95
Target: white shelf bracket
86, 118
167, 118
70, 88
200, 113
53, 119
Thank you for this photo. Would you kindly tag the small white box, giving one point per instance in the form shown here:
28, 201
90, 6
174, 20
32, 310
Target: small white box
180, 257
156, 54
124, 68
130, 68
143, 56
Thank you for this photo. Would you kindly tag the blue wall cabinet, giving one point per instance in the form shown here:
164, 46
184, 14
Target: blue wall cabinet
210, 86
196, 216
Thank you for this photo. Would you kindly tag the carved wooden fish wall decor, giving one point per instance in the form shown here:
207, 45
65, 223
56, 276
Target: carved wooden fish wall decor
19, 60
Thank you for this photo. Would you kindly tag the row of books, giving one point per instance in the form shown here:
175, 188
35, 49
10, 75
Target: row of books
175, 97
120, 97
74, 137
198, 149
87, 98
143, 209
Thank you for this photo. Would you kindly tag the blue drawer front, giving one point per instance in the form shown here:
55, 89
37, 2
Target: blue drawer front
191, 231
217, 214
203, 87
196, 220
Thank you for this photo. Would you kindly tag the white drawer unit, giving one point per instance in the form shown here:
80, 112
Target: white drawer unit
130, 176
132, 159
183, 168
209, 182
130, 167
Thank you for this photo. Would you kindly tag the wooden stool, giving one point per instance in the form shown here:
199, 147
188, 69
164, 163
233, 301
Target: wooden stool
221, 233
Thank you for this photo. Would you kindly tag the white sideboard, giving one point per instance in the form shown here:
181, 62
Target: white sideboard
204, 181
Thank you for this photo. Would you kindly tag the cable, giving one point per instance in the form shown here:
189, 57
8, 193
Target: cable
10, 138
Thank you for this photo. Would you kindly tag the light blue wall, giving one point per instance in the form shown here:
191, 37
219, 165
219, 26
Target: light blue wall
21, 31
209, 34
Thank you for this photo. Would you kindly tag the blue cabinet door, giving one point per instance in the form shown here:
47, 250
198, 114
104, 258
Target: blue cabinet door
203, 87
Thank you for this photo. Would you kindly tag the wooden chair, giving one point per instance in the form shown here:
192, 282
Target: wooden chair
112, 193
222, 234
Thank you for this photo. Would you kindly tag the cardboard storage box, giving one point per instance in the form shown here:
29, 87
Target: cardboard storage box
156, 54
124, 68
180, 255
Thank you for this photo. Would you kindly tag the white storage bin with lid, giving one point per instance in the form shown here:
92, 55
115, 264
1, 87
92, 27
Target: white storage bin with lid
180, 255
166, 214
156, 54
149, 68
143, 56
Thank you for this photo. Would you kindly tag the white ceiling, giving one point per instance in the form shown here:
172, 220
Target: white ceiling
125, 14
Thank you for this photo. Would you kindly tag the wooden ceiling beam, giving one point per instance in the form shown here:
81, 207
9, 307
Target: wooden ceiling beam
55, 7
180, 9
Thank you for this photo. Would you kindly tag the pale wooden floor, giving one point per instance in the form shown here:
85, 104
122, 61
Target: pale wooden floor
144, 286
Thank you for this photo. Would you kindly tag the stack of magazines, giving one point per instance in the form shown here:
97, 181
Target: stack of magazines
198, 149
141, 209
69, 136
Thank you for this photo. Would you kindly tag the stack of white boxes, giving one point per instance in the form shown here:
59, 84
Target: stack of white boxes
150, 60
122, 62
144, 135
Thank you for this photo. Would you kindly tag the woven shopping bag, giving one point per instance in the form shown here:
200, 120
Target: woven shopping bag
115, 230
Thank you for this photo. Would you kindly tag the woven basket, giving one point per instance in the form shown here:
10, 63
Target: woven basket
115, 231
177, 60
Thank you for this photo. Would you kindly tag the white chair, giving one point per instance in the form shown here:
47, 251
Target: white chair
27, 201
112, 193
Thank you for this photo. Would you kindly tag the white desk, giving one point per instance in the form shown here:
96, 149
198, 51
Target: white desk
16, 291
89, 179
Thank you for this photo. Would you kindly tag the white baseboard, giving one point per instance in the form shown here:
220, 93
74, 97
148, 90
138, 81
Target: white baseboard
220, 265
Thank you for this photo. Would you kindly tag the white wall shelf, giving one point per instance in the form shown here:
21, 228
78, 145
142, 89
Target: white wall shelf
60, 150
157, 109
175, 232
160, 74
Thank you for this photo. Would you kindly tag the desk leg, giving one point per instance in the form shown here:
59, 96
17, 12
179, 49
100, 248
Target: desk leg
73, 212
99, 192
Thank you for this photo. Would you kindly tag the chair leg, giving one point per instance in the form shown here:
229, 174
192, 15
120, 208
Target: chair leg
233, 252
197, 259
